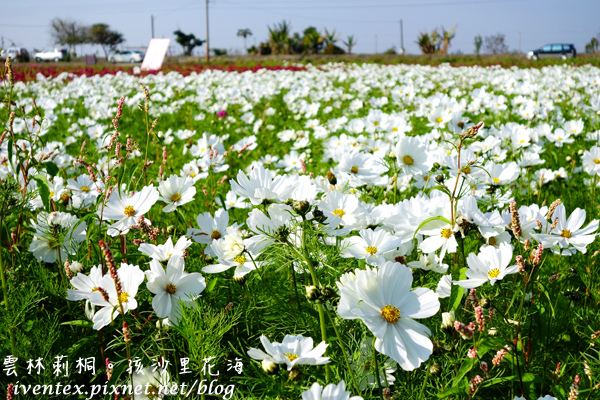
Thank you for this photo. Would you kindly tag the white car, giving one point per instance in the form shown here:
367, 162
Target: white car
127, 56
51, 55
15, 54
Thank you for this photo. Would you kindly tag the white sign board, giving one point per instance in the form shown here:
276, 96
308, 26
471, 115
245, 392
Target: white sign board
157, 49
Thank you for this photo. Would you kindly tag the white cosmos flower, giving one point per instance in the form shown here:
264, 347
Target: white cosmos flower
210, 227
442, 237
568, 231
150, 384
591, 161
176, 191
429, 262
491, 264
330, 392
56, 236
371, 245
259, 186
388, 307
294, 350
163, 252
345, 206
127, 209
411, 155
172, 286
131, 276
85, 285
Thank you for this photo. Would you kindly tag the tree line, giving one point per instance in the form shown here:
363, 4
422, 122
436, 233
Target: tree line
71, 33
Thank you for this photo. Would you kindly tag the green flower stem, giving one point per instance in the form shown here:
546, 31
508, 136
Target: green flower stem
315, 280
7, 304
377, 370
343, 347
424, 384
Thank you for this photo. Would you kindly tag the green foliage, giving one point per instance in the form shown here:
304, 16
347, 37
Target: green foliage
108, 39
187, 41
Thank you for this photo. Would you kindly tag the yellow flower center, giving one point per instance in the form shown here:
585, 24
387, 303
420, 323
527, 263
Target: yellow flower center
492, 241
51, 194
85, 189
339, 212
123, 297
494, 273
408, 160
215, 234
522, 141
390, 313
496, 180
175, 197
354, 169
291, 356
559, 138
240, 259
597, 161
193, 174
439, 120
371, 250
466, 170
446, 233
376, 123
171, 289
129, 211
394, 129
565, 233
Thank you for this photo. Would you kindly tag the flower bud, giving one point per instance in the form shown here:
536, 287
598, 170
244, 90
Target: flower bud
435, 369
76, 267
448, 319
327, 293
440, 178
270, 367
312, 293
301, 207
240, 280
294, 375
331, 178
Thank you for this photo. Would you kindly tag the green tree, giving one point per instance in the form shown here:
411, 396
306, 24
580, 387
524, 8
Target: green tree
187, 41
350, 43
107, 39
68, 32
279, 37
478, 42
313, 41
244, 33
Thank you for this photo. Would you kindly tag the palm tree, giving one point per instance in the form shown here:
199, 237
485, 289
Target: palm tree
279, 37
350, 43
447, 36
244, 33
330, 37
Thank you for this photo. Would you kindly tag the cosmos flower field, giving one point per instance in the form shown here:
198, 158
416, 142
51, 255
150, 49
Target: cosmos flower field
336, 232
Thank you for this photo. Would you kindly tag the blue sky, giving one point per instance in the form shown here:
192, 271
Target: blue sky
372, 22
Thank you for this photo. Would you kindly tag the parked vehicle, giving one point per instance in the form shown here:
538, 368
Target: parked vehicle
51, 55
563, 51
127, 56
19, 54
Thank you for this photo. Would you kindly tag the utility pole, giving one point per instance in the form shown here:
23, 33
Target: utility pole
401, 39
207, 48
152, 25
